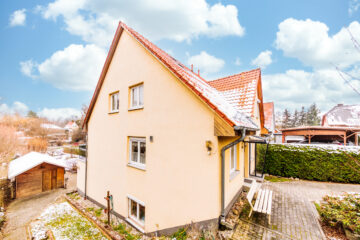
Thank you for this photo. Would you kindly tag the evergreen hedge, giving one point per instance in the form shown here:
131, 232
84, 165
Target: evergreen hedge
321, 163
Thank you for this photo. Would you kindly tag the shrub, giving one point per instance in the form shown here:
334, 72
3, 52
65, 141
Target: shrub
341, 211
321, 163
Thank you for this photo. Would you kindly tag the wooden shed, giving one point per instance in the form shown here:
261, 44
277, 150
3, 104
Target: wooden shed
35, 173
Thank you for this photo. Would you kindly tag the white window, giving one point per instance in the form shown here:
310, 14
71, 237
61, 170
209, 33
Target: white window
137, 97
136, 211
233, 162
114, 105
137, 151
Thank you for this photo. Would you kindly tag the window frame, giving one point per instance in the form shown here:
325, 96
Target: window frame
137, 164
136, 218
233, 159
137, 91
111, 102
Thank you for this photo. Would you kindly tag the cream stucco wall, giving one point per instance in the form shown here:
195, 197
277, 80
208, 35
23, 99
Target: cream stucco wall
80, 176
232, 183
181, 181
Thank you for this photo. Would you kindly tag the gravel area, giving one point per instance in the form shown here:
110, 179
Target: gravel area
21, 211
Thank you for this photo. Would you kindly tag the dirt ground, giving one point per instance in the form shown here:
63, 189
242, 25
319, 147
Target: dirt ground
21, 211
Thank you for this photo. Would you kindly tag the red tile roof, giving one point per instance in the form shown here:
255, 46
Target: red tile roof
215, 99
269, 115
240, 90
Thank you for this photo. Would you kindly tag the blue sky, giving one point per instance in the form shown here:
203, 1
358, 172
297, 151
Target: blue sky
53, 51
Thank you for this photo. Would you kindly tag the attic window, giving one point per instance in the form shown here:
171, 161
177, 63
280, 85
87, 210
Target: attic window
114, 102
137, 97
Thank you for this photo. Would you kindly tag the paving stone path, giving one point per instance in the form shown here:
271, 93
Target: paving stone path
294, 215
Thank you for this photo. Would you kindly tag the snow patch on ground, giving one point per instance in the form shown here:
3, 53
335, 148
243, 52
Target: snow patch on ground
65, 223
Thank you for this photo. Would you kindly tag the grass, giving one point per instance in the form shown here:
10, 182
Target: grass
271, 178
181, 234
121, 228
70, 224
98, 212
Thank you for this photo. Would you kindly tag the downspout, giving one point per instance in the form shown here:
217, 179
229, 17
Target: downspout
222, 216
86, 160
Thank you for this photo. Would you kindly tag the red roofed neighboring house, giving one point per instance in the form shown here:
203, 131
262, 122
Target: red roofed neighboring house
269, 114
270, 123
71, 126
342, 116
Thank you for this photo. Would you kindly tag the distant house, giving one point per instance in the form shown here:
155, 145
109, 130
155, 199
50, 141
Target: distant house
171, 147
269, 115
35, 173
342, 116
71, 126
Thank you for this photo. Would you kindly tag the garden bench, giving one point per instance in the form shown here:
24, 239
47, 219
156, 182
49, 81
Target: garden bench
263, 199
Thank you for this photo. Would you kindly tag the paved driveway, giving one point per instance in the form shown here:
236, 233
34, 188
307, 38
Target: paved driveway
21, 211
294, 215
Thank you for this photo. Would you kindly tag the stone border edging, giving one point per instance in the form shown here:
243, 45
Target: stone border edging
110, 234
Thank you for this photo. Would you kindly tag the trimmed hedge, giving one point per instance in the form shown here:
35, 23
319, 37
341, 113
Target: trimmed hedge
312, 162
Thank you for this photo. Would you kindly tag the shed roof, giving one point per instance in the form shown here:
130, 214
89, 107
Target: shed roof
31, 160
211, 96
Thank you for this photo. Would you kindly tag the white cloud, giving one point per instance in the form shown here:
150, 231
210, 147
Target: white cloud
77, 67
263, 59
95, 20
15, 108
296, 88
59, 114
207, 63
27, 68
354, 5
237, 62
18, 18
309, 41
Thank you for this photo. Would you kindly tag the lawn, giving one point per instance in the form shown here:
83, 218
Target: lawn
65, 223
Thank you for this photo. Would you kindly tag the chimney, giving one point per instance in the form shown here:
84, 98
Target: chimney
192, 67
199, 72
340, 105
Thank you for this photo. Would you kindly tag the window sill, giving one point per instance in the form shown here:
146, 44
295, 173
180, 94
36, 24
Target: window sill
135, 108
135, 224
234, 174
137, 166
113, 112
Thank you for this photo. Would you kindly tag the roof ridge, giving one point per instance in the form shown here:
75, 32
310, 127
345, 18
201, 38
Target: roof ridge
176, 60
236, 74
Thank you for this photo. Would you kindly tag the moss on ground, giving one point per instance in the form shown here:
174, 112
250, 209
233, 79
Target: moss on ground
271, 178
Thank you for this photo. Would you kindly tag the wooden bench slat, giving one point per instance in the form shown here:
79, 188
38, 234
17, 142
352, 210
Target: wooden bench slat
252, 191
264, 209
257, 200
261, 201
270, 202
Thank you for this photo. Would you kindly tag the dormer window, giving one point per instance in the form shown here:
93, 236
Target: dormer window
137, 97
114, 102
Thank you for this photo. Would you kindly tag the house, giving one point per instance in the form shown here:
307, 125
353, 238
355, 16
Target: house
71, 126
342, 116
35, 172
171, 147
